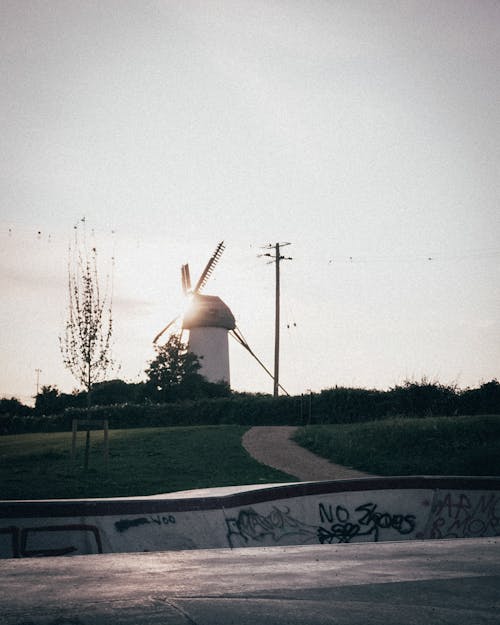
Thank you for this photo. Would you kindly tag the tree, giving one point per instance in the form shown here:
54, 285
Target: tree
47, 401
173, 374
86, 343
13, 406
117, 392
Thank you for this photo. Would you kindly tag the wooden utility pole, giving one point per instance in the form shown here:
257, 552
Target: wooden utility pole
38, 371
277, 257
277, 322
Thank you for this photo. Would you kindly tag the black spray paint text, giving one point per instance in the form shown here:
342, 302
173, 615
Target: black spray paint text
366, 520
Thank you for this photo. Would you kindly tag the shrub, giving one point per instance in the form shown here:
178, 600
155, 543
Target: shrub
419, 399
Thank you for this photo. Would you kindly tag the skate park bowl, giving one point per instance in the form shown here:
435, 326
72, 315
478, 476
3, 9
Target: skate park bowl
391, 551
305, 513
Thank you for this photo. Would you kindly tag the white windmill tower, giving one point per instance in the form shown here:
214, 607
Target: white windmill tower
208, 320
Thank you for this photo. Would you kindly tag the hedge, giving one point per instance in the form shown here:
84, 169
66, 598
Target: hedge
335, 405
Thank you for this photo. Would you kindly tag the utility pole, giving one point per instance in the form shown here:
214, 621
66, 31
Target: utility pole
38, 371
277, 257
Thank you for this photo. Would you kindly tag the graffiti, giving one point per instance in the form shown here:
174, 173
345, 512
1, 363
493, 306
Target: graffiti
457, 515
341, 526
125, 524
278, 524
163, 520
367, 522
451, 511
19, 539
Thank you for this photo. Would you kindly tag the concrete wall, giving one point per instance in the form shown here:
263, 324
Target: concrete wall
341, 511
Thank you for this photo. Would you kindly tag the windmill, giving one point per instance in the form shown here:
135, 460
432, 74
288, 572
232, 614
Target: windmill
208, 320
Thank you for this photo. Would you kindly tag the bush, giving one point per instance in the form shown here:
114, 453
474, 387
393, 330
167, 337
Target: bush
348, 405
482, 400
15, 424
423, 399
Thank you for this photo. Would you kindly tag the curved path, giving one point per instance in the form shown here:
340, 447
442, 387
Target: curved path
273, 446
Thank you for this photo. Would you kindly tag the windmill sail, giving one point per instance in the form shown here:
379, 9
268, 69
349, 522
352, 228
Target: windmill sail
186, 279
165, 328
207, 272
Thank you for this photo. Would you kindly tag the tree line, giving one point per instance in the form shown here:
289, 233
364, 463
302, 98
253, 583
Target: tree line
334, 405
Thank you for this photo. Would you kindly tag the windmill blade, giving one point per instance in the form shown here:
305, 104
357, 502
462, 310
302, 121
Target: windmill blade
165, 329
207, 272
186, 279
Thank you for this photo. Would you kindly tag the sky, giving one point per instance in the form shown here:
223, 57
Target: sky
364, 133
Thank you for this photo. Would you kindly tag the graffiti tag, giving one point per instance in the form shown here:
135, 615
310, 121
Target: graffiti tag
250, 526
125, 524
457, 515
19, 539
367, 520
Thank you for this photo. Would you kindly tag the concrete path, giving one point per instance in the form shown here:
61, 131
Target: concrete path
273, 446
450, 582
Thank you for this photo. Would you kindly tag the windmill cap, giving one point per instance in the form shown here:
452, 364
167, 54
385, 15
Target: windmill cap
208, 311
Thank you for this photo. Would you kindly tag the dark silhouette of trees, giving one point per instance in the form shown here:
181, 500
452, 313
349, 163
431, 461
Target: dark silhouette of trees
112, 392
173, 374
48, 401
13, 407
482, 400
424, 399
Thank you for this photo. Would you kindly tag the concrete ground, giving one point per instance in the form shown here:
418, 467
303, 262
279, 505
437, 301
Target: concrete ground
272, 445
455, 582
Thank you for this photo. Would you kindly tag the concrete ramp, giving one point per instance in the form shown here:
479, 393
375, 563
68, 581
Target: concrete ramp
443, 582
305, 513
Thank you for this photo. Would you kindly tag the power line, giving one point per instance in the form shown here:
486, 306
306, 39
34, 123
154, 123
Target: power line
417, 258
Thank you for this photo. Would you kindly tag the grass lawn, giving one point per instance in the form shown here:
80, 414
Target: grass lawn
430, 446
142, 462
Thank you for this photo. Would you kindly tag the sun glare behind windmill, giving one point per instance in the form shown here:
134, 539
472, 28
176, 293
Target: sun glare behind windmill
208, 320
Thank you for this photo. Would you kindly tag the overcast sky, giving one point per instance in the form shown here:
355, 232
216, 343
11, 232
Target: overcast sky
366, 133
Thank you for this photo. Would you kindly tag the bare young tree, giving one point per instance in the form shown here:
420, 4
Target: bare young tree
86, 342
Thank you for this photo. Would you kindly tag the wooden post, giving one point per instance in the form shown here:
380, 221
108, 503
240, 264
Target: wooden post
106, 443
74, 426
87, 450
104, 423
